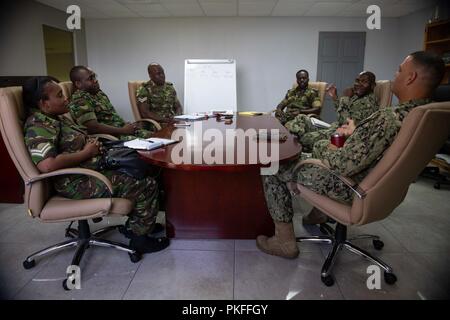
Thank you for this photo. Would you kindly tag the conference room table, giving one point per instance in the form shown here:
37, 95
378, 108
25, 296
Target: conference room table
219, 200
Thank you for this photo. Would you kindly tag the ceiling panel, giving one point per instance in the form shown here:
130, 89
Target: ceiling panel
292, 7
256, 8
214, 8
324, 9
184, 9
99, 9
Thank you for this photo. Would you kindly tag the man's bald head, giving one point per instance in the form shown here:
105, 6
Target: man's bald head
370, 75
156, 74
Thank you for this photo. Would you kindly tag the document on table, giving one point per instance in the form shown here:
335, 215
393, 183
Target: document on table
319, 123
141, 144
189, 117
165, 142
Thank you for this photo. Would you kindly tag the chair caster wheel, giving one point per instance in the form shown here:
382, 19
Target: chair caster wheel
29, 264
135, 257
390, 278
378, 244
328, 281
437, 185
64, 284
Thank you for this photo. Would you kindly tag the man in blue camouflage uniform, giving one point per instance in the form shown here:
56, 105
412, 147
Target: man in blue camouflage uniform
418, 76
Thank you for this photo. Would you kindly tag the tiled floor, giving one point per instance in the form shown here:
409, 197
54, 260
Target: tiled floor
417, 246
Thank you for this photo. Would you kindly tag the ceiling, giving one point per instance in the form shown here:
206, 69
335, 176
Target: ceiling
106, 9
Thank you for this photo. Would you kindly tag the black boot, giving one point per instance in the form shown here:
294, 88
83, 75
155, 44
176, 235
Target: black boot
146, 244
156, 229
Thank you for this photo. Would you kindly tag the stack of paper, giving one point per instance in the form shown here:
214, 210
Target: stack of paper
189, 117
319, 123
142, 144
165, 142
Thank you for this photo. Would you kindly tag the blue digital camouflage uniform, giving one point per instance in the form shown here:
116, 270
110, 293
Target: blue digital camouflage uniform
360, 153
85, 107
161, 100
47, 137
296, 101
356, 108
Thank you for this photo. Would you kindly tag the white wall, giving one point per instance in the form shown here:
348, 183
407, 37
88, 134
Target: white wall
268, 51
21, 37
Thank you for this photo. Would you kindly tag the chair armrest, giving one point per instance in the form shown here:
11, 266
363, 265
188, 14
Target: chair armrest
360, 193
104, 136
82, 171
156, 124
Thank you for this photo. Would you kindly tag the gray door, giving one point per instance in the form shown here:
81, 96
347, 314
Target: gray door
341, 58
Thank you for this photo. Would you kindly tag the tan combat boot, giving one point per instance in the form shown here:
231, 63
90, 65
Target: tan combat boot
282, 244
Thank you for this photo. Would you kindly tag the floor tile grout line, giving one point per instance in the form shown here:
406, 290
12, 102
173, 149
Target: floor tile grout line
394, 236
35, 274
129, 284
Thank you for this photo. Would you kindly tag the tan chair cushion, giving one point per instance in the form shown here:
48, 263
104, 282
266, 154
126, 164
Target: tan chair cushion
132, 88
383, 93
59, 209
67, 88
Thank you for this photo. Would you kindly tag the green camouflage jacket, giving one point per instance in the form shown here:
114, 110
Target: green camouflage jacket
161, 100
297, 100
47, 137
85, 107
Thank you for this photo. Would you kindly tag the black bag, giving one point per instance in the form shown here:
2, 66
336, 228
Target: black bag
124, 160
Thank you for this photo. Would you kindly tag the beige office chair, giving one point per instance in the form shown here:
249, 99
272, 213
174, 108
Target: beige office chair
40, 199
383, 93
67, 88
132, 88
423, 132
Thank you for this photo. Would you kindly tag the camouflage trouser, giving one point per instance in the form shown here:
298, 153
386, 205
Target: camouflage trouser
140, 133
284, 117
307, 133
317, 179
144, 194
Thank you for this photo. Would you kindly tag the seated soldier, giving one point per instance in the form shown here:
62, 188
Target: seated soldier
157, 99
357, 103
298, 100
415, 81
56, 142
91, 108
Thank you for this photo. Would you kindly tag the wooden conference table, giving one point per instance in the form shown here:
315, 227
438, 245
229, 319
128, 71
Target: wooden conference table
222, 201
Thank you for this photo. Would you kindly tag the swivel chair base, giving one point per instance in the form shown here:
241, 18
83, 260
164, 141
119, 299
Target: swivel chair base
338, 239
82, 238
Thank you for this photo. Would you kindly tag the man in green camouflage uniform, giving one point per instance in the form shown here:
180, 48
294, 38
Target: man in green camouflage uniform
47, 137
91, 108
418, 76
358, 103
298, 100
157, 99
